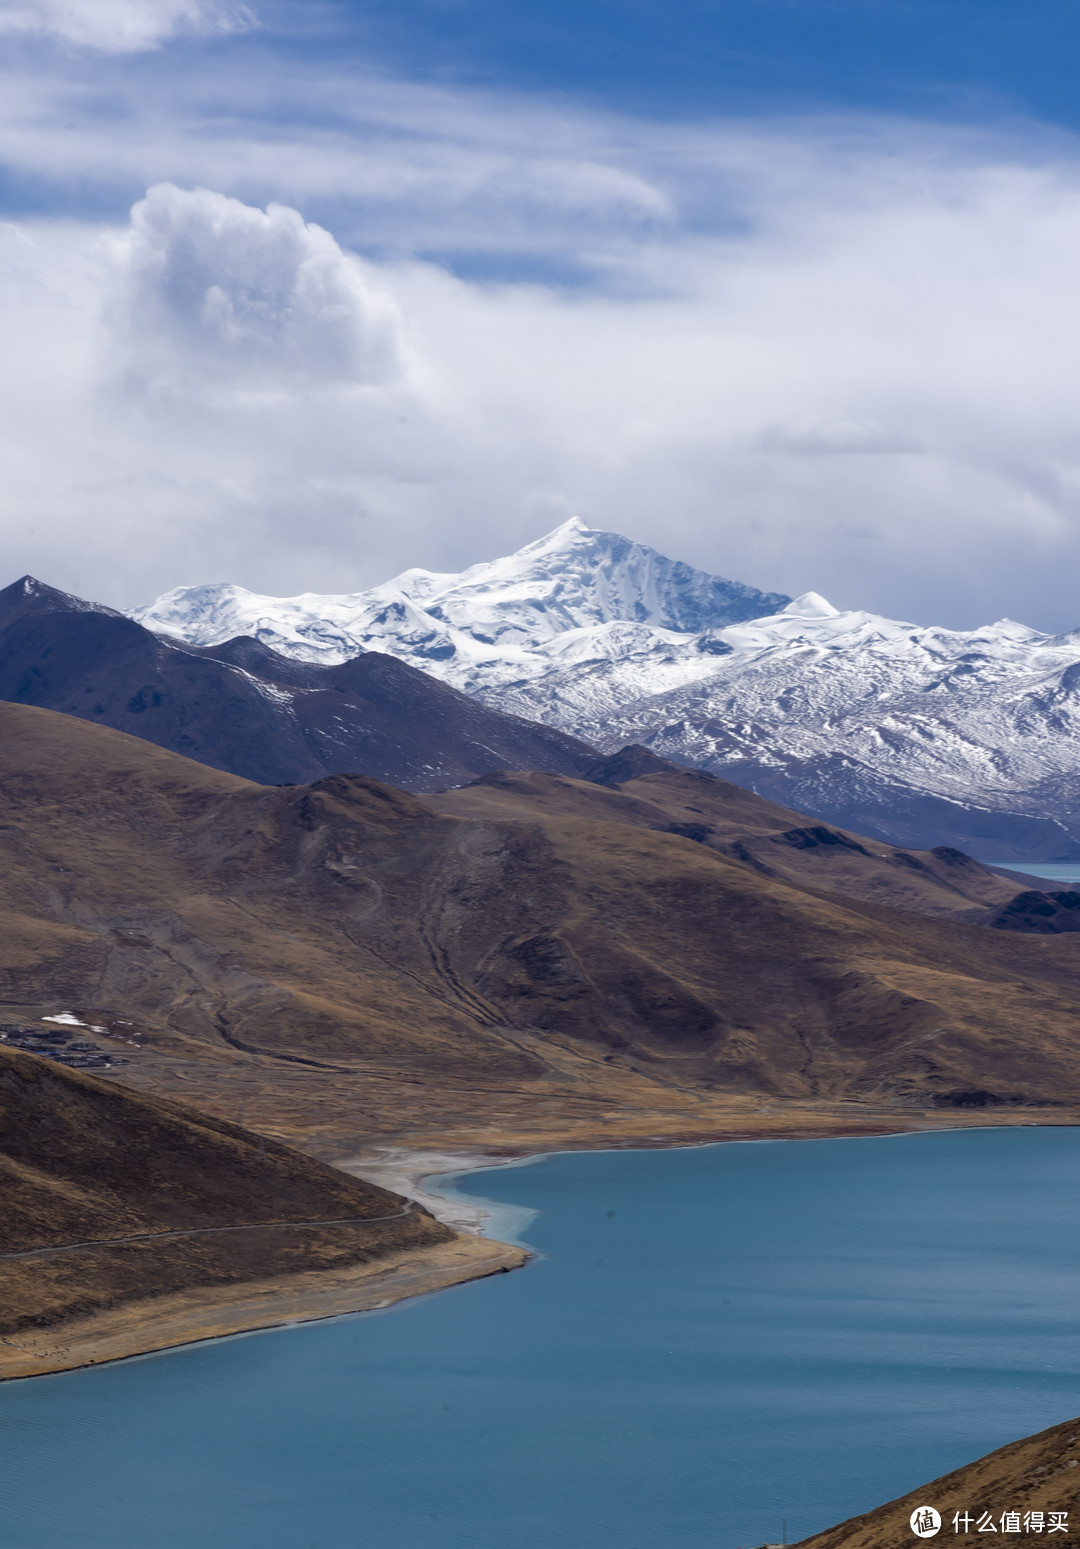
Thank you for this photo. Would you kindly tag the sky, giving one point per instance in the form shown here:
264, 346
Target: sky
300, 295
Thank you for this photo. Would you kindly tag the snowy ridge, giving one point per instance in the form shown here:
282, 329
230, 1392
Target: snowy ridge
918, 735
878, 725
494, 623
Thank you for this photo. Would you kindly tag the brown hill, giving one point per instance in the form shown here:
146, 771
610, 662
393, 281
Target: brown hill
637, 788
113, 1197
1039, 1474
546, 962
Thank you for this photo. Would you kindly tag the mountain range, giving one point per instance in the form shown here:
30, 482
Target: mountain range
920, 736
241, 707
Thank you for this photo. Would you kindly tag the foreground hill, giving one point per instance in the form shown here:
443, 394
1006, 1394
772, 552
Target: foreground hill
350, 964
121, 1209
1040, 1474
242, 708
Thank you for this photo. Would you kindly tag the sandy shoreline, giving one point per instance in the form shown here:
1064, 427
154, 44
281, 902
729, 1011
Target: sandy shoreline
157, 1324
199, 1315
191, 1317
406, 1171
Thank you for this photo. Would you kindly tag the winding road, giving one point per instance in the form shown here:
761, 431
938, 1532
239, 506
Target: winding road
200, 1231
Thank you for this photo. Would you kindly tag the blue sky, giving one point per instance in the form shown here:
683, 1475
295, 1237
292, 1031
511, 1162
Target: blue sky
299, 296
955, 58
996, 65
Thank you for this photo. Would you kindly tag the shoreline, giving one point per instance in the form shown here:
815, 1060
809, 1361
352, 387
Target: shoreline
409, 1170
405, 1170
456, 1146
202, 1315
412, 1172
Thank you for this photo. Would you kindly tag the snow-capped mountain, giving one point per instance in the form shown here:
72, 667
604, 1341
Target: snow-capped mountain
575, 589
921, 736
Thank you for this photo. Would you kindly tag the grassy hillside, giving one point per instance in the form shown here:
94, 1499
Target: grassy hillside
84, 1163
345, 958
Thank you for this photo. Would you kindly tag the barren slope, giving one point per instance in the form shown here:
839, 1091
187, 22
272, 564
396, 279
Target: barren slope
112, 1197
1040, 1473
348, 964
637, 788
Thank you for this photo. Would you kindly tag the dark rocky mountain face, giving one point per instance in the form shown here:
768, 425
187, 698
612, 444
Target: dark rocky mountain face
243, 708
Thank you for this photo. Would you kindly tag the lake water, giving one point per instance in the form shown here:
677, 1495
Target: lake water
716, 1339
1063, 873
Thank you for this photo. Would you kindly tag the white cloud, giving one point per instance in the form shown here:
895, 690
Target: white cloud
122, 26
211, 293
396, 165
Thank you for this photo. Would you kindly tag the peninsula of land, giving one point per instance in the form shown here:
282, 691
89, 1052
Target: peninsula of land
131, 1224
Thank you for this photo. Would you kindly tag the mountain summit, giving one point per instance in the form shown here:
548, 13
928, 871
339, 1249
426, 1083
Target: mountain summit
483, 627
576, 578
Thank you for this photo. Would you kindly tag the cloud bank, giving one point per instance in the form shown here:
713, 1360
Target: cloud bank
834, 355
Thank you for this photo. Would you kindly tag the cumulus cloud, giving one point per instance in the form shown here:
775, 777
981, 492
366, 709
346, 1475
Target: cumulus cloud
111, 484
211, 293
122, 26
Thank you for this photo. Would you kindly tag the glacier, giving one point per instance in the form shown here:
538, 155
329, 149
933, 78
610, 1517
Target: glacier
916, 735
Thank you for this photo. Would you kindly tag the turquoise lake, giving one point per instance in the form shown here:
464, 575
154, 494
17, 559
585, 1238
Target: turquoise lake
714, 1340
1063, 873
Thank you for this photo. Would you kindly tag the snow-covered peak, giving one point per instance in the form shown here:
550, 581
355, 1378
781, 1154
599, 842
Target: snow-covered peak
498, 611
1011, 629
196, 613
418, 584
841, 712
579, 576
811, 605
568, 535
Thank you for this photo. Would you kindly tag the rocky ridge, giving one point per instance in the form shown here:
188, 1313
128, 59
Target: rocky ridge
246, 709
